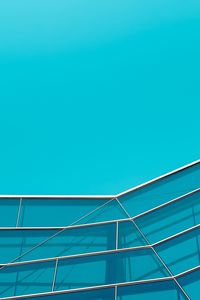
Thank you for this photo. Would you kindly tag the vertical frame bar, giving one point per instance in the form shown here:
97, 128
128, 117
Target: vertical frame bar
54, 275
19, 211
116, 292
117, 235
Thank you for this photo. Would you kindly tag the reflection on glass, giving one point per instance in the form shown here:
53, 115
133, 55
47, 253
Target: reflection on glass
129, 236
26, 279
181, 253
111, 211
162, 191
191, 283
9, 210
109, 268
171, 219
96, 238
57, 212
158, 290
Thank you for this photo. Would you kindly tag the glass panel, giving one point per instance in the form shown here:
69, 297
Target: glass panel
111, 211
158, 290
162, 190
26, 279
191, 284
75, 241
171, 219
14, 243
10, 241
108, 268
129, 236
70, 241
56, 212
99, 294
9, 211
181, 253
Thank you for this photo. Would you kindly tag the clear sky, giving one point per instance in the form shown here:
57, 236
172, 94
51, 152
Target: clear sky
97, 96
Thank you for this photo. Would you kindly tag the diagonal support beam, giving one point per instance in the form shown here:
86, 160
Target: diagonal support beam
155, 252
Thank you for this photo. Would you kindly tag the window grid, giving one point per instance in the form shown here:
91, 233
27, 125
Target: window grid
75, 224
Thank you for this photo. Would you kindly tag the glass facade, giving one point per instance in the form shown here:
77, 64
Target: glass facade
141, 244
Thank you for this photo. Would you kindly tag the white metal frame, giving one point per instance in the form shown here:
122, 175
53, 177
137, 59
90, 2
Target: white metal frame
99, 253
106, 286
106, 222
92, 288
109, 198
13, 262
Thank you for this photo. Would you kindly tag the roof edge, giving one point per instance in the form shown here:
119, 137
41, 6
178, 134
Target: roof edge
158, 178
103, 197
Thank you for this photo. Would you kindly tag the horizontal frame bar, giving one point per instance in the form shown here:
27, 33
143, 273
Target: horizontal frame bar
107, 222
92, 288
188, 271
64, 197
98, 253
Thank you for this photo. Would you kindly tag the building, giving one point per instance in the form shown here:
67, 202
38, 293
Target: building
140, 244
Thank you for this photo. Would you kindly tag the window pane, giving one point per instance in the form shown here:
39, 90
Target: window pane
171, 219
181, 253
10, 241
108, 268
111, 211
191, 283
76, 241
55, 212
9, 211
129, 236
162, 191
99, 294
158, 290
70, 241
26, 279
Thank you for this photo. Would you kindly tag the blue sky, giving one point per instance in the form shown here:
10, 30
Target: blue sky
96, 96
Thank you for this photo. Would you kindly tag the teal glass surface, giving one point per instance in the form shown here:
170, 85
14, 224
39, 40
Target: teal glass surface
10, 245
162, 191
110, 268
14, 243
99, 294
158, 290
26, 279
79, 240
181, 253
76, 241
129, 236
111, 211
171, 219
88, 267
57, 212
191, 283
9, 212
